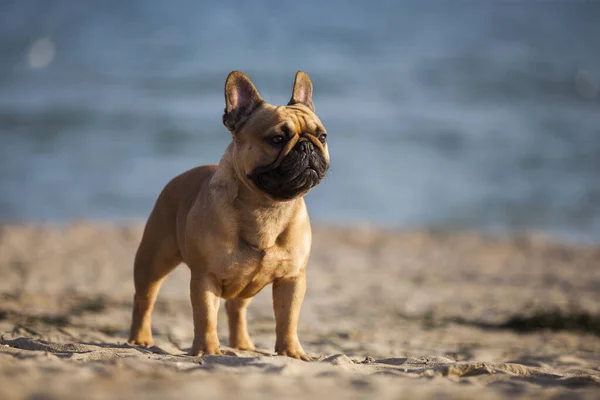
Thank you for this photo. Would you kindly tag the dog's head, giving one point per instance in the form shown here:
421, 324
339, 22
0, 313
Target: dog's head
279, 151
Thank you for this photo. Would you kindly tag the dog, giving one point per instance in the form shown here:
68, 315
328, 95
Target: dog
239, 225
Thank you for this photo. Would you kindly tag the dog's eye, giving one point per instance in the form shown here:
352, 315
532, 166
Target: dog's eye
277, 139
322, 138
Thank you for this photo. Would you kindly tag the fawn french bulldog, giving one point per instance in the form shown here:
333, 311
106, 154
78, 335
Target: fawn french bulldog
241, 224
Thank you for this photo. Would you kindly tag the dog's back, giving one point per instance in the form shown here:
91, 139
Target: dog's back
179, 194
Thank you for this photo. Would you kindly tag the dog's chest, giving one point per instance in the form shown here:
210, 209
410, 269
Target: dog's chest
253, 268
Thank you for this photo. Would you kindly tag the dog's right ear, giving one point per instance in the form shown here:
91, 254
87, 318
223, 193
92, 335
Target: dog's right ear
241, 99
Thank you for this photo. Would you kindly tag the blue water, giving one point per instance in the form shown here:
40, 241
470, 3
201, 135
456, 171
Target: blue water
477, 115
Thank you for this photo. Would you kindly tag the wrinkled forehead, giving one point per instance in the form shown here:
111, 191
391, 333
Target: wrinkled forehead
302, 119
298, 119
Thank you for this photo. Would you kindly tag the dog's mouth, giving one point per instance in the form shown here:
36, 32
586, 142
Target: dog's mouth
297, 174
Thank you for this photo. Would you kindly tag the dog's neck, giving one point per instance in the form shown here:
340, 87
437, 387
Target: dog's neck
263, 219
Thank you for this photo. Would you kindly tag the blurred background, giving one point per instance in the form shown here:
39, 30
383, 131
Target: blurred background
447, 114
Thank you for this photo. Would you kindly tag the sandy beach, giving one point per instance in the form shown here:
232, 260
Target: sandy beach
388, 314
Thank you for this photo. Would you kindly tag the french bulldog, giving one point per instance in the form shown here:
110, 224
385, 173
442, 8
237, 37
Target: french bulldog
239, 225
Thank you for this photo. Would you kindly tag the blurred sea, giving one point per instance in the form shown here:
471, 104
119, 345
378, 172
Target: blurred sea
480, 115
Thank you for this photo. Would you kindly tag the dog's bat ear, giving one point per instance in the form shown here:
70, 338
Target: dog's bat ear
241, 99
302, 93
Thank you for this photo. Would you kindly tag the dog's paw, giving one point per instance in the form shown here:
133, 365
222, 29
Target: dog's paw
293, 352
205, 347
242, 344
143, 343
299, 355
246, 347
141, 340
205, 352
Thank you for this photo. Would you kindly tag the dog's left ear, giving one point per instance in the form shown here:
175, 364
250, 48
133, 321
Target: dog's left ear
241, 99
302, 93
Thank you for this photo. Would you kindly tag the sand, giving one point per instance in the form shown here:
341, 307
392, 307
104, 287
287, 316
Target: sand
388, 314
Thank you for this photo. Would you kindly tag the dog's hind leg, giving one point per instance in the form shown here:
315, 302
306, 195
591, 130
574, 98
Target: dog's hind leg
238, 328
157, 255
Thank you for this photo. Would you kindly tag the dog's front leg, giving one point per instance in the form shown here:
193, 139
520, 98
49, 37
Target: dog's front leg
205, 296
288, 294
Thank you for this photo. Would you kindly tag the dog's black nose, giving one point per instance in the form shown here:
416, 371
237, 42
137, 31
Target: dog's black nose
305, 146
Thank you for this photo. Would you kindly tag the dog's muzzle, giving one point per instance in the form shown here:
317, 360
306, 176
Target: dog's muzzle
298, 172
